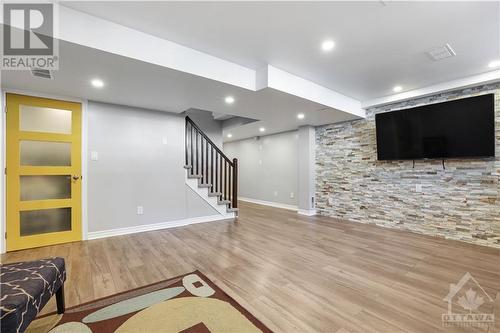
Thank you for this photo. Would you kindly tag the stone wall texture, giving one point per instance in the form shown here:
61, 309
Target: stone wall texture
461, 202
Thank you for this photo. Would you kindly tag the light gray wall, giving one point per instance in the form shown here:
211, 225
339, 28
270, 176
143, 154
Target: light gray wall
141, 158
266, 166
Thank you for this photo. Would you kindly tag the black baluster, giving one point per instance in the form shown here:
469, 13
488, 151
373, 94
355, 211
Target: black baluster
206, 164
229, 190
212, 169
202, 165
196, 152
225, 180
216, 172
235, 183
186, 141
221, 175
192, 148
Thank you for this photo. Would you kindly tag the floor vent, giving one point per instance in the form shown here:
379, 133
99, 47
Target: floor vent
442, 52
42, 73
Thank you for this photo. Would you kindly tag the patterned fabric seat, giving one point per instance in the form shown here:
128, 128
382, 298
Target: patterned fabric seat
25, 288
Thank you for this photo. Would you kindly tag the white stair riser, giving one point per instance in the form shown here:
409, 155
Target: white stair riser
212, 201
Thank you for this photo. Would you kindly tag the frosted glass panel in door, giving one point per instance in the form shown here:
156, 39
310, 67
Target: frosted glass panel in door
34, 222
45, 153
40, 119
45, 187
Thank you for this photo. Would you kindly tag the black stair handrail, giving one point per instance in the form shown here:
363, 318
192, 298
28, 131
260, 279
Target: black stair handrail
221, 176
188, 120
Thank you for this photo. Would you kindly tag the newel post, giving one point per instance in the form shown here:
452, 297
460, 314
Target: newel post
235, 183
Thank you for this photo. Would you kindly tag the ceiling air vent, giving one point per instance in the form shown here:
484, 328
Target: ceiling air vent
442, 52
43, 73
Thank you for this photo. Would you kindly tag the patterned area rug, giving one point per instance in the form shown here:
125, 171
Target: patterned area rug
189, 304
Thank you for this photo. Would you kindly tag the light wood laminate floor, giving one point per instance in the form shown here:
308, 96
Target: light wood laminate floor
295, 273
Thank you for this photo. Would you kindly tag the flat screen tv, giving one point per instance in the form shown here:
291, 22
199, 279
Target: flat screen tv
463, 128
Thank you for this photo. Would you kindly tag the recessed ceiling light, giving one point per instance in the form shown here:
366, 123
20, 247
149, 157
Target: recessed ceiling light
97, 83
327, 45
229, 99
300, 116
397, 88
229, 135
494, 64
262, 129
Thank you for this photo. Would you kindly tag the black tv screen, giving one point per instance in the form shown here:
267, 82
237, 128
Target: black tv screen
461, 128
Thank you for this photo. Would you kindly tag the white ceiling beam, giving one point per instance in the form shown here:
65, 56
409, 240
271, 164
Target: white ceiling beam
80, 28
469, 81
294, 85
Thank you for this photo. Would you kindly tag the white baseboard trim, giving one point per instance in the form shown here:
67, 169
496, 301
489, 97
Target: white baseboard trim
269, 203
307, 212
157, 226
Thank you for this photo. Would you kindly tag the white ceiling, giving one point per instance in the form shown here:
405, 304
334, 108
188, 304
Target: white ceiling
141, 84
378, 44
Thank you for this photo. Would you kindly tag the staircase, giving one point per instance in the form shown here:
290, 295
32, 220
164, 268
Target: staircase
208, 168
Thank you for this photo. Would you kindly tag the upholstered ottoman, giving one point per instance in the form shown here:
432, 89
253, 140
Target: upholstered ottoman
25, 288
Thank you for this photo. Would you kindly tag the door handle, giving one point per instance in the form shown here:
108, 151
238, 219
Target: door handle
76, 177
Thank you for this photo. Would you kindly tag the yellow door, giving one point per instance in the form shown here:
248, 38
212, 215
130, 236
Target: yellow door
43, 172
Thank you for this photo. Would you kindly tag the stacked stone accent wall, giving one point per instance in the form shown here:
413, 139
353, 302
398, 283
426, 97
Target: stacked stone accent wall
461, 202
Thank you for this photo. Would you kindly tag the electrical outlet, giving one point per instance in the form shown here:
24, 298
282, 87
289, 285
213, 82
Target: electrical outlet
260, 162
418, 188
330, 201
275, 193
292, 195
94, 156
164, 141
140, 210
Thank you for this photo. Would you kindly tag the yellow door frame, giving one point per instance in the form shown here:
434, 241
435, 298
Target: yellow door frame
13, 204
